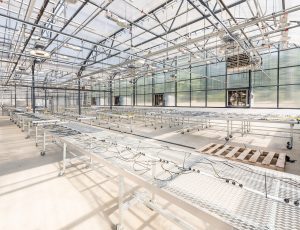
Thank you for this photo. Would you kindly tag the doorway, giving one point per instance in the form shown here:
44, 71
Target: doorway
159, 99
117, 100
94, 101
238, 98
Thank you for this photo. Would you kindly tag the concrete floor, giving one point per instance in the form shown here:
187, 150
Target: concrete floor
33, 196
216, 134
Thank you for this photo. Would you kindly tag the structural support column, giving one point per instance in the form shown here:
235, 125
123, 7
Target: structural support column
110, 93
27, 96
15, 95
45, 98
250, 94
79, 98
33, 88
11, 97
175, 83
133, 92
57, 99
65, 99
278, 64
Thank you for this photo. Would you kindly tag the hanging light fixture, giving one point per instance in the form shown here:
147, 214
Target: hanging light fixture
119, 21
71, 1
39, 51
77, 48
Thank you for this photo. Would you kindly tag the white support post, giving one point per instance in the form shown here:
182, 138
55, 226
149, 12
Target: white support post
63, 169
153, 179
36, 135
121, 200
290, 143
44, 142
91, 159
227, 137
23, 125
242, 128
28, 130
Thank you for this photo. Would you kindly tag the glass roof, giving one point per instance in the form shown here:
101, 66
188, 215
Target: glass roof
71, 39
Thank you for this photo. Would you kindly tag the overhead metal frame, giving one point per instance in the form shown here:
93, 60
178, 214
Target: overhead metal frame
114, 52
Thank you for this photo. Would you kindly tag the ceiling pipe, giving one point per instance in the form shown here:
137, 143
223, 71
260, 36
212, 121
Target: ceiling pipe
170, 31
28, 39
75, 37
201, 38
27, 17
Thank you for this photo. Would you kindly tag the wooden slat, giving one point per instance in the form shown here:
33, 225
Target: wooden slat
267, 160
205, 147
222, 150
213, 148
244, 154
281, 160
255, 156
232, 152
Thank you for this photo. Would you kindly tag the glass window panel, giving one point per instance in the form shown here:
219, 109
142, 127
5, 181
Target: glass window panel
122, 100
183, 85
198, 98
264, 97
170, 76
123, 92
238, 80
169, 99
216, 98
183, 74
106, 98
289, 57
170, 86
140, 81
140, 100
290, 75
159, 88
270, 60
198, 84
129, 89
148, 80
148, 88
183, 60
216, 82
159, 78
216, 69
148, 99
198, 71
261, 79
183, 99
128, 100
289, 96
140, 89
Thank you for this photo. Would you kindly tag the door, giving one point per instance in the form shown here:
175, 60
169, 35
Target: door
238, 98
117, 100
159, 99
